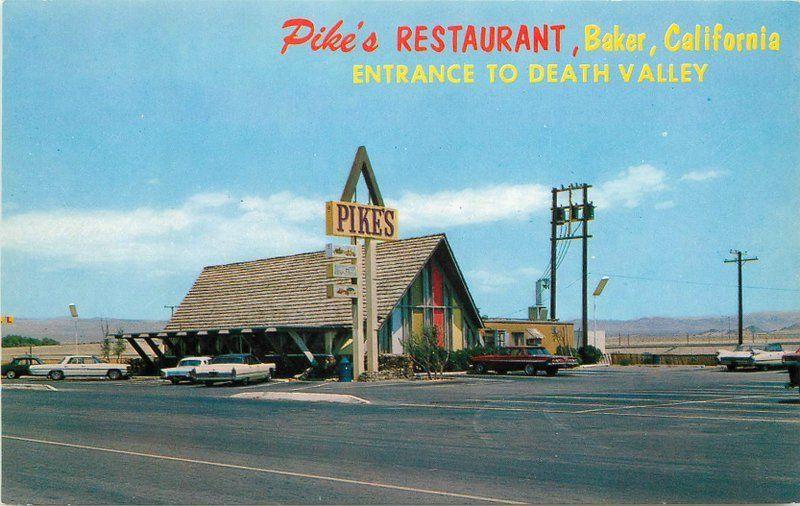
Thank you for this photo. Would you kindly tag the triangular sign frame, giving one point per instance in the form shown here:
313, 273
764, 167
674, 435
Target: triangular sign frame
362, 165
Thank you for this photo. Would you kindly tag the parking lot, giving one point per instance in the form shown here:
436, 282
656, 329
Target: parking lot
613, 434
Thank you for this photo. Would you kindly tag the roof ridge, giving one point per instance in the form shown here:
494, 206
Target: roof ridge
212, 266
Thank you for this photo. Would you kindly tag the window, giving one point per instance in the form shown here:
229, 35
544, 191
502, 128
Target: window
518, 338
76, 360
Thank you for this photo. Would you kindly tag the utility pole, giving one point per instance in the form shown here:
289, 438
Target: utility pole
585, 269
740, 260
581, 213
171, 310
553, 242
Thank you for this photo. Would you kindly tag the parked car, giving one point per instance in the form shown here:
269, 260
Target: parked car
73, 366
792, 362
181, 372
233, 368
530, 359
760, 356
20, 366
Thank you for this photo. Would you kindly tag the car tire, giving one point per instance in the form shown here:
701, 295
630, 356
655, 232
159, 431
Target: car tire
56, 375
114, 374
11, 374
530, 370
480, 368
731, 367
551, 371
175, 381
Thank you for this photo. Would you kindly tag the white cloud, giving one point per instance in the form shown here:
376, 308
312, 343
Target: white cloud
630, 187
471, 205
490, 281
206, 228
697, 175
218, 227
667, 204
153, 181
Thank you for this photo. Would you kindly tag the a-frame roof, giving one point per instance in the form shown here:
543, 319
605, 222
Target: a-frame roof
291, 291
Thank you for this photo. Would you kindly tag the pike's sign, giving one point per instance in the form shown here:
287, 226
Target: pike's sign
351, 219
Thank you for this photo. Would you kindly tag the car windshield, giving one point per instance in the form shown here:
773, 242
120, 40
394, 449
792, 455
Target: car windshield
228, 359
189, 362
538, 351
774, 347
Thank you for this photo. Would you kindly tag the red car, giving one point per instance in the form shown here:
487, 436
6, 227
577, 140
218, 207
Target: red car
792, 361
530, 359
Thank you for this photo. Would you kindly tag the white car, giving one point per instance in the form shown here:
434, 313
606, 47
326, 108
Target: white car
181, 372
760, 356
234, 368
73, 366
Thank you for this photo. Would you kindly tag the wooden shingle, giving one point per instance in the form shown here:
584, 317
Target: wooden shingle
291, 291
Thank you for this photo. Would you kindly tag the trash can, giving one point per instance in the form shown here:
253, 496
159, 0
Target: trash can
345, 370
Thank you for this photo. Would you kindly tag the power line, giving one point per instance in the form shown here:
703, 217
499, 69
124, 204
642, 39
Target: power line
702, 283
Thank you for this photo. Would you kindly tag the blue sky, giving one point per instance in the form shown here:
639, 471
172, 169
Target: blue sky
144, 140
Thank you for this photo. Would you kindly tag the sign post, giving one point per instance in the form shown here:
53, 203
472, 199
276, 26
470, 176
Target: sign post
372, 305
371, 222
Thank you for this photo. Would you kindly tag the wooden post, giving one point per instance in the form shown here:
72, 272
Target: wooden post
329, 335
358, 319
371, 306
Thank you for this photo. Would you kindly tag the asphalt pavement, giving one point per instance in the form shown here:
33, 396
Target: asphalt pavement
611, 434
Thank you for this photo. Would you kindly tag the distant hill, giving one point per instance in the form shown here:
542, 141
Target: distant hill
62, 329
766, 321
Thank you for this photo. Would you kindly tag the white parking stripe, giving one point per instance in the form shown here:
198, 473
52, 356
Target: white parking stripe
601, 411
478, 408
28, 386
702, 417
663, 405
267, 470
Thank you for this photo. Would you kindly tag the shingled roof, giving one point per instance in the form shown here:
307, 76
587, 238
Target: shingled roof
291, 291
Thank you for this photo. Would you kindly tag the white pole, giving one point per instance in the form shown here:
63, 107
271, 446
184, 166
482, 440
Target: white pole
73, 311
594, 336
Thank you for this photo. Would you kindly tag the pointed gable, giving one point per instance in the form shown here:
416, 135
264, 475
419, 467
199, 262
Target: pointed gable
291, 291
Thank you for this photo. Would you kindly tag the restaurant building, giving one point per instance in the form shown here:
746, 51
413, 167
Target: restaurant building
501, 332
280, 305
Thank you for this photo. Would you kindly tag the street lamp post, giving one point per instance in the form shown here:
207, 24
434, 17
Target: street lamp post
597, 291
73, 310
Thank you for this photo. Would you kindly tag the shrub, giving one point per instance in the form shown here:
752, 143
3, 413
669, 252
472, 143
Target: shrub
13, 341
105, 348
567, 350
425, 351
590, 354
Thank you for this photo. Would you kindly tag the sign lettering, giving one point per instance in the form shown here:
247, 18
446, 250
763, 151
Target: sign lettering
351, 219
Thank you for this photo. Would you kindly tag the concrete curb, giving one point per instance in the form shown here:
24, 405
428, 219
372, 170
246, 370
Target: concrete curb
301, 397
